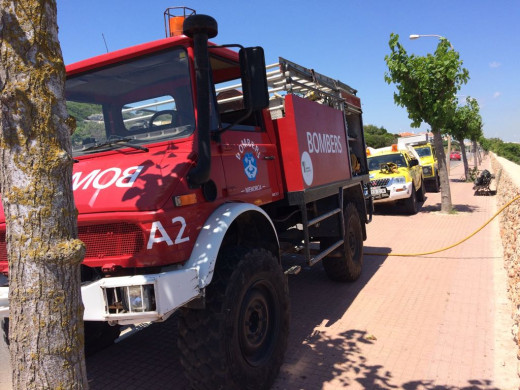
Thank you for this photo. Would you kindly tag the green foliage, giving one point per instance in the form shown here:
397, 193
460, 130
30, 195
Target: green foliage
466, 122
86, 128
508, 150
378, 137
426, 85
81, 111
490, 144
473, 174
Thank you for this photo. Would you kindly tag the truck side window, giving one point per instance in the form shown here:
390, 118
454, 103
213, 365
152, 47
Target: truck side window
230, 104
229, 99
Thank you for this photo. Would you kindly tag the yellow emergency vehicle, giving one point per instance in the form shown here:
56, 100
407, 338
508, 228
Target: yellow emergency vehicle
430, 168
427, 159
396, 176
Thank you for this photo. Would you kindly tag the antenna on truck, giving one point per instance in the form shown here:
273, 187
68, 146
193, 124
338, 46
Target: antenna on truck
104, 40
174, 18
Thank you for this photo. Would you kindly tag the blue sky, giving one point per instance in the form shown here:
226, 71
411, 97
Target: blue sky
346, 40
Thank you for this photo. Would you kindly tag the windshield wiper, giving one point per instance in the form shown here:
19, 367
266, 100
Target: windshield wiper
120, 141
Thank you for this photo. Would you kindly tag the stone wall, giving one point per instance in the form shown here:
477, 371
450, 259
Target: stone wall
508, 188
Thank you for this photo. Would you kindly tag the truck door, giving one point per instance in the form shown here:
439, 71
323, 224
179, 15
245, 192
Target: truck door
248, 158
248, 153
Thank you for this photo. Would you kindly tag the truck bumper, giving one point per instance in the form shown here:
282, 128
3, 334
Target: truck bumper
144, 298
394, 193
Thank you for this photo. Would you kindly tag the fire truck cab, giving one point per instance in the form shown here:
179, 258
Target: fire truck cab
196, 167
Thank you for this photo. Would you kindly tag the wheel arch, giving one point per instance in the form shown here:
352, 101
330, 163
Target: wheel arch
231, 223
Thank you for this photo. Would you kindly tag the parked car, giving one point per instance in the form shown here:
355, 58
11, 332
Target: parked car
395, 176
455, 155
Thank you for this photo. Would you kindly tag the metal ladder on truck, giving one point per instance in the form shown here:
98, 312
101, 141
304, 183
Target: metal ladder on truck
286, 76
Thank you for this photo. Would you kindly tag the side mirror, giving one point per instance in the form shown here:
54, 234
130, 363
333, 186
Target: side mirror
414, 162
254, 79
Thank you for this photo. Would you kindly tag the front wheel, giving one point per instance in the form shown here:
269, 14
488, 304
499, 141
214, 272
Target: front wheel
345, 264
411, 203
421, 194
238, 341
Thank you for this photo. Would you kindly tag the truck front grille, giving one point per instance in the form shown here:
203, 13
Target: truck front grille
379, 183
3, 248
113, 239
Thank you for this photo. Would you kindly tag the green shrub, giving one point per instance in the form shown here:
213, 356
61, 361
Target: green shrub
507, 150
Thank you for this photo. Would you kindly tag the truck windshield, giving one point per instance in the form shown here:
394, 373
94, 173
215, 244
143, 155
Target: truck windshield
141, 101
424, 151
376, 161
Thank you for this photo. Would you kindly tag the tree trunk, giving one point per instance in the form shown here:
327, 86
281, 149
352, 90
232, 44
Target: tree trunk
476, 159
446, 205
464, 157
46, 312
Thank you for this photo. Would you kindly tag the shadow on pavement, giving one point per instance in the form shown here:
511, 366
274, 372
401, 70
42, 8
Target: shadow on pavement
343, 353
317, 304
461, 208
396, 208
149, 359
314, 297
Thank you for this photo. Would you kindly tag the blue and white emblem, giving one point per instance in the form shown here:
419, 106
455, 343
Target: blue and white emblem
250, 167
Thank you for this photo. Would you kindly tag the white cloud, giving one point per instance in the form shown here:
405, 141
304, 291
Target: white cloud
496, 95
494, 64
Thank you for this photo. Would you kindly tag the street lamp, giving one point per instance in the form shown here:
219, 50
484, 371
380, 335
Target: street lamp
417, 36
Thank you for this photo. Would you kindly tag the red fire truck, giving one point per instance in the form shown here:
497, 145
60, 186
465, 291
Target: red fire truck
196, 168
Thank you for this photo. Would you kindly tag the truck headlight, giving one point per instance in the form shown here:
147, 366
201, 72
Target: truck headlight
138, 298
427, 170
399, 180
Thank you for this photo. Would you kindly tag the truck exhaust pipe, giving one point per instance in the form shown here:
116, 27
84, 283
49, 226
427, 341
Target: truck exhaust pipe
200, 28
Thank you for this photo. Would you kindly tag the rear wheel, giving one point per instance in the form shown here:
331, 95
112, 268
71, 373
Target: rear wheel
345, 264
238, 341
437, 184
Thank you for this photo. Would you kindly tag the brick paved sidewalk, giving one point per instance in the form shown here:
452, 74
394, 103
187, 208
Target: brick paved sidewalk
440, 321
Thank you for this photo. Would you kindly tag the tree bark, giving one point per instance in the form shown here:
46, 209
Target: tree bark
46, 312
446, 205
464, 157
476, 160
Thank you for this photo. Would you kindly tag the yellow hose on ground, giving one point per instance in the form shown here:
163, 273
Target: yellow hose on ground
451, 246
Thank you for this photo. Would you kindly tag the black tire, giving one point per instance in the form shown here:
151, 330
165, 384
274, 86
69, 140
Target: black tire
437, 184
99, 335
239, 340
346, 263
421, 194
411, 203
4, 329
